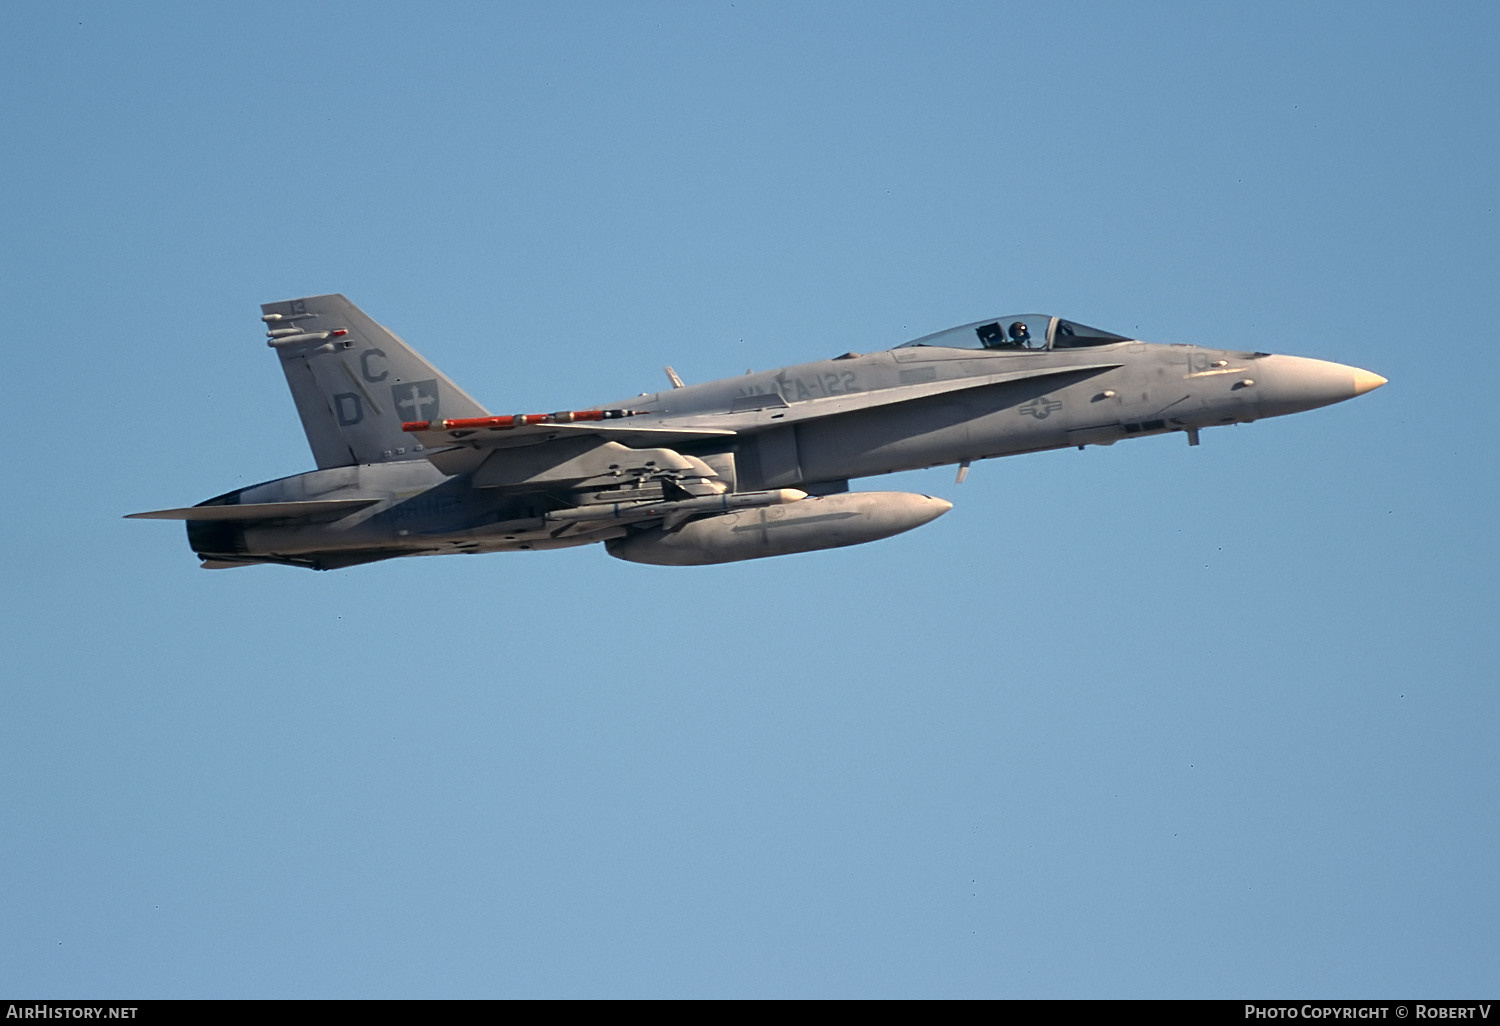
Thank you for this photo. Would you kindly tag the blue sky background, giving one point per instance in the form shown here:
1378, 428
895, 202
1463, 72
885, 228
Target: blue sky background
1145, 721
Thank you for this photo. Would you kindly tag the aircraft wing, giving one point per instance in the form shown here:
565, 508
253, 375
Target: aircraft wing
530, 429
461, 446
498, 437
327, 509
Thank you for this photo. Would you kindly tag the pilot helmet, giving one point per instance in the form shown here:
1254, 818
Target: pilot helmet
1018, 330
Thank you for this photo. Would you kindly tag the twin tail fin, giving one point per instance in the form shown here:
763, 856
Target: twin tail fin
355, 382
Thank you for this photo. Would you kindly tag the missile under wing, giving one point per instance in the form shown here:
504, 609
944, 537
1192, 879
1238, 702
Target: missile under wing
409, 464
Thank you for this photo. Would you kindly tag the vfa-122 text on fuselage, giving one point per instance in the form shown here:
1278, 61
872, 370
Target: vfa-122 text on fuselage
752, 466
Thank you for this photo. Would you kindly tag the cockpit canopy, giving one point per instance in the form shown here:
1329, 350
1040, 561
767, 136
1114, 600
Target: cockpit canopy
1020, 332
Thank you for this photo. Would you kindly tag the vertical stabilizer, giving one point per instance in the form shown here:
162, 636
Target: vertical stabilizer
355, 382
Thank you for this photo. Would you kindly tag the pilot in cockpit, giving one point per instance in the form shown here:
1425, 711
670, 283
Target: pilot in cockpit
1020, 335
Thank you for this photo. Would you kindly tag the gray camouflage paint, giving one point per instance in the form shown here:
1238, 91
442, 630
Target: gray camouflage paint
782, 444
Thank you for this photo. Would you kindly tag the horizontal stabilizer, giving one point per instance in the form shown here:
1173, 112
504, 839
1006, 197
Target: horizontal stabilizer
260, 511
217, 563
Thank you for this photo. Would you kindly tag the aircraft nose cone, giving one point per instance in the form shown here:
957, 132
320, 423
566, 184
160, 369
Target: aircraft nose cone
1288, 384
1366, 381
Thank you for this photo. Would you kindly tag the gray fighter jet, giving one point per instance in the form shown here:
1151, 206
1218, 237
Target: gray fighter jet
759, 465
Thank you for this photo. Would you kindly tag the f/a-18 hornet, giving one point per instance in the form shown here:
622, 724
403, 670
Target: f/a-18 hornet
759, 465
